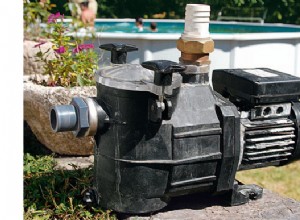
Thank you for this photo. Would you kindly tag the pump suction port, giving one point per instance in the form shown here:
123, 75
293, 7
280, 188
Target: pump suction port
83, 117
63, 118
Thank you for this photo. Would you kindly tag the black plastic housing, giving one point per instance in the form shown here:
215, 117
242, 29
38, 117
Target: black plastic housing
256, 85
140, 165
157, 145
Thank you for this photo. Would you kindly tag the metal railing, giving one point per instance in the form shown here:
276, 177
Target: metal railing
242, 14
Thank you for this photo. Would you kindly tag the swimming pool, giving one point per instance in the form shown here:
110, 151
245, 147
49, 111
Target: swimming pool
237, 45
177, 26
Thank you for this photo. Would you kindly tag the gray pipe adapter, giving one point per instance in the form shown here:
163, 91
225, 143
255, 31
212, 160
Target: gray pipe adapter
83, 116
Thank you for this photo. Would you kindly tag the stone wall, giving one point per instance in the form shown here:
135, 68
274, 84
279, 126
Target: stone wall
30, 66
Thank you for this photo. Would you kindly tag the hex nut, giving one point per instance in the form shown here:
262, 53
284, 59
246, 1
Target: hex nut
195, 57
82, 111
196, 47
197, 63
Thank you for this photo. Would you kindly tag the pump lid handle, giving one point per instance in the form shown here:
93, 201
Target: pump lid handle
163, 66
118, 51
163, 70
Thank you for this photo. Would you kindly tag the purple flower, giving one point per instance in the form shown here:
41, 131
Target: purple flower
75, 50
39, 44
52, 18
60, 50
86, 46
81, 47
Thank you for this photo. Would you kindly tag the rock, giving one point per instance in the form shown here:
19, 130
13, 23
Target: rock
37, 103
68, 163
193, 207
32, 144
30, 66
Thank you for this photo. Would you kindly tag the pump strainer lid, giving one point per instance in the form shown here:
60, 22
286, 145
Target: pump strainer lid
134, 77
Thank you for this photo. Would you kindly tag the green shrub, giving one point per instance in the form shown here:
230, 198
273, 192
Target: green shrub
56, 194
34, 13
74, 63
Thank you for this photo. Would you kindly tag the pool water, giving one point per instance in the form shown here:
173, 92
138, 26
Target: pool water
178, 27
129, 27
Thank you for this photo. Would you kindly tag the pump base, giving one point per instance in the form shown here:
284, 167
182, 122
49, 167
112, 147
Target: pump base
241, 194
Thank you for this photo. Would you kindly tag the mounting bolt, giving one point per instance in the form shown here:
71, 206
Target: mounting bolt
90, 197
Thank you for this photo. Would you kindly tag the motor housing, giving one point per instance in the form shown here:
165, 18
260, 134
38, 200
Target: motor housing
268, 102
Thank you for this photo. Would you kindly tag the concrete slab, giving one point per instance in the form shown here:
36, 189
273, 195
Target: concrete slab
272, 206
68, 163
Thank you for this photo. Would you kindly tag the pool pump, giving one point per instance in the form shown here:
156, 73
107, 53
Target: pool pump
161, 131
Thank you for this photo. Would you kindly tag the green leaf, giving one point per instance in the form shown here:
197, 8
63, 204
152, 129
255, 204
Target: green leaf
73, 67
279, 16
80, 80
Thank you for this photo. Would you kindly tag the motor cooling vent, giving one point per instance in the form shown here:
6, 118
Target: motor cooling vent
268, 140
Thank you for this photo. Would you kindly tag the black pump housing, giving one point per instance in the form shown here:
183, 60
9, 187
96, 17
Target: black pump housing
163, 136
141, 162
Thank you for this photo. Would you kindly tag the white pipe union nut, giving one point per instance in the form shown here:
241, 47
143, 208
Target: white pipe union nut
196, 22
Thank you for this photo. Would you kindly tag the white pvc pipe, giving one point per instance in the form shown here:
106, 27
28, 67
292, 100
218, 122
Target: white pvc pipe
196, 22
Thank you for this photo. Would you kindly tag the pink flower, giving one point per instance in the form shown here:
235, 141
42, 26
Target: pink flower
86, 46
60, 50
52, 18
39, 44
81, 47
76, 50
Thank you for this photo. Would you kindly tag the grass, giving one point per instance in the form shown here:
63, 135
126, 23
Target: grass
284, 180
51, 193
56, 194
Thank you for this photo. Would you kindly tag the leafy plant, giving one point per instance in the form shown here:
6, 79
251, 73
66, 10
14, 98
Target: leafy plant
56, 194
35, 12
74, 63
